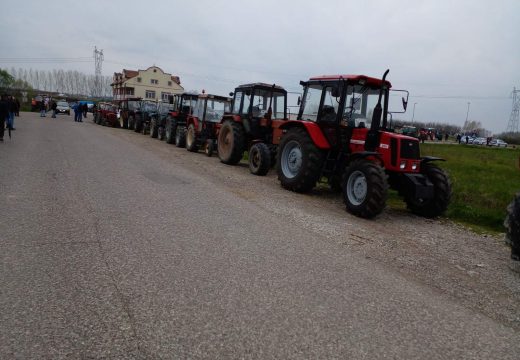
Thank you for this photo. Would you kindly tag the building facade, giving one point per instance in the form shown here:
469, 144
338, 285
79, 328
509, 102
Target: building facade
151, 84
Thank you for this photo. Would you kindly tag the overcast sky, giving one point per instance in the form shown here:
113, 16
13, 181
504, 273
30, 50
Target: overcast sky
445, 52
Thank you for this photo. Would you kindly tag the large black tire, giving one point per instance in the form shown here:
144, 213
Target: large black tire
131, 122
365, 188
231, 142
512, 225
169, 130
180, 136
154, 130
160, 133
441, 194
138, 125
209, 147
191, 139
259, 159
299, 161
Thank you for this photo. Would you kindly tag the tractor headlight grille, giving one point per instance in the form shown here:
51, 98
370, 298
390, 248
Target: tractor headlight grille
410, 149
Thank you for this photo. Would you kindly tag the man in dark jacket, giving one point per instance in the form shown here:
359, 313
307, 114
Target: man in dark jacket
4, 113
12, 111
54, 106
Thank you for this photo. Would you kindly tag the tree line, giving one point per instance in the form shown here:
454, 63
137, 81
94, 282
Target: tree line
70, 82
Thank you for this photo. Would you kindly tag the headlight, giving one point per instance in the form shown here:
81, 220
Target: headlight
414, 166
402, 166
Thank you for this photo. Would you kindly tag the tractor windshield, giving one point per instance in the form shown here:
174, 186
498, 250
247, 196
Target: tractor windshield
215, 109
312, 100
360, 102
188, 104
256, 103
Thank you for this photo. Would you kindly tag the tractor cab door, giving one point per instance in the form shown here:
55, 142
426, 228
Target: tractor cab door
321, 104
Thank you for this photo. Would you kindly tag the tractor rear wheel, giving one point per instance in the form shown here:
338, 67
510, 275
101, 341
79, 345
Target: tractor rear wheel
512, 225
441, 193
209, 147
365, 188
259, 159
180, 137
169, 130
299, 161
231, 142
191, 139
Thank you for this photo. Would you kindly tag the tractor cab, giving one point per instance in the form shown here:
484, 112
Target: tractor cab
253, 125
257, 105
203, 124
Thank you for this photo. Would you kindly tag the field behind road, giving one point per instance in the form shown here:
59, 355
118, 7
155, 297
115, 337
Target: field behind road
484, 181
116, 245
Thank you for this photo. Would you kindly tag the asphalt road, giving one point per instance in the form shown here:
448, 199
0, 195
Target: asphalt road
116, 245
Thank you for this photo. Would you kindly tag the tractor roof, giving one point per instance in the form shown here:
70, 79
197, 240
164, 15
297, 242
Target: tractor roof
351, 78
263, 86
216, 97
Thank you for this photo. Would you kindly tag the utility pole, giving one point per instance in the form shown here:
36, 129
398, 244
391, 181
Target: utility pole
512, 126
98, 63
467, 114
413, 113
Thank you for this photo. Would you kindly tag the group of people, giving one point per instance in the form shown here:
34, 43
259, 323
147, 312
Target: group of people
9, 108
80, 112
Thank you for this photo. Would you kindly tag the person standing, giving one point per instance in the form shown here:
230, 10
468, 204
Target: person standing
42, 109
12, 111
85, 110
77, 112
17, 102
4, 112
54, 106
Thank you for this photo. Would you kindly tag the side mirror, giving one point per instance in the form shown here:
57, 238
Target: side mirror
299, 100
231, 94
405, 103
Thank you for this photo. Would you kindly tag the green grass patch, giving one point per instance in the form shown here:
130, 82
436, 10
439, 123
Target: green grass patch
484, 181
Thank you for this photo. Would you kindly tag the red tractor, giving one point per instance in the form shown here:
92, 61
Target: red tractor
202, 125
128, 109
106, 114
257, 113
342, 135
175, 122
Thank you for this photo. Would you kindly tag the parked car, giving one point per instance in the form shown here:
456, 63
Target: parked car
62, 107
479, 141
498, 143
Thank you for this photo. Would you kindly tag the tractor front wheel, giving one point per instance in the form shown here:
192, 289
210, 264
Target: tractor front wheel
131, 123
154, 130
210, 146
365, 188
441, 193
191, 139
259, 159
231, 142
169, 130
299, 161
180, 136
138, 124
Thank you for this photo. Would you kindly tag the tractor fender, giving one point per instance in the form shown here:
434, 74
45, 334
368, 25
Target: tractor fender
363, 155
312, 129
427, 159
